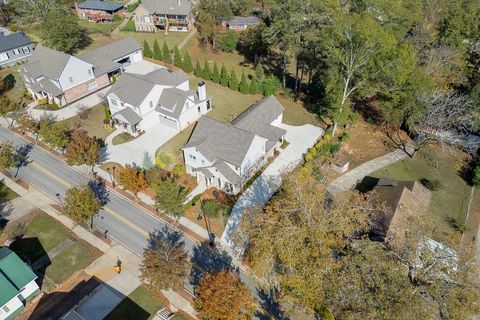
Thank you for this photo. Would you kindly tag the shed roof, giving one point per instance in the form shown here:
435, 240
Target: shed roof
13, 41
14, 275
101, 5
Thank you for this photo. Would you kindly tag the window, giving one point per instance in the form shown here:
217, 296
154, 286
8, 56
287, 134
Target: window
198, 109
71, 80
16, 51
208, 105
193, 157
26, 50
146, 19
6, 309
3, 56
113, 102
151, 104
89, 72
92, 85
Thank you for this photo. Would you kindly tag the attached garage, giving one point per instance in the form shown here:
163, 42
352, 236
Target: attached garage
168, 122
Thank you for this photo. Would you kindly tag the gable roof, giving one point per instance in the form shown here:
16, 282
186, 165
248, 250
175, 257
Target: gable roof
114, 50
14, 275
101, 5
127, 115
13, 41
259, 116
217, 140
46, 62
172, 101
133, 88
182, 7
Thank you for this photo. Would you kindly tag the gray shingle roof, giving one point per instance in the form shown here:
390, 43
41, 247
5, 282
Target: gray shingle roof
174, 99
217, 140
258, 117
180, 7
114, 50
46, 85
227, 172
46, 62
13, 41
127, 115
101, 5
133, 88
252, 20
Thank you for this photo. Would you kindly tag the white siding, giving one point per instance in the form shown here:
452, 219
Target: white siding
154, 96
256, 151
191, 114
78, 71
278, 120
199, 161
30, 288
184, 86
13, 305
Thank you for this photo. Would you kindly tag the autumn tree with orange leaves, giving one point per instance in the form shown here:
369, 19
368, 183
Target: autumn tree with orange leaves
222, 296
82, 149
132, 179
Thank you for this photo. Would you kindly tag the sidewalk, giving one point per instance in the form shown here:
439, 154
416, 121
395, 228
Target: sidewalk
114, 287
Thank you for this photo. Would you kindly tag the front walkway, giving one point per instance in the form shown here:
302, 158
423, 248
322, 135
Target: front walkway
72, 109
350, 179
133, 152
300, 139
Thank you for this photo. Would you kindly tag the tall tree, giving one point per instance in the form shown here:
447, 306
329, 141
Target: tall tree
81, 204
132, 179
224, 78
198, 72
147, 52
167, 58
223, 296
209, 15
61, 31
8, 156
7, 107
187, 62
82, 149
254, 87
177, 59
206, 73
165, 261
215, 73
243, 86
37, 11
170, 197
233, 81
157, 52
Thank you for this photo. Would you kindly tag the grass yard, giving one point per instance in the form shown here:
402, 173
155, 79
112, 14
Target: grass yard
122, 138
76, 257
16, 93
93, 124
105, 28
451, 201
141, 304
6, 194
98, 39
173, 39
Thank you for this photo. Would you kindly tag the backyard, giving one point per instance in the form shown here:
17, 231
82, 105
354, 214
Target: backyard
141, 304
450, 202
173, 39
93, 123
44, 234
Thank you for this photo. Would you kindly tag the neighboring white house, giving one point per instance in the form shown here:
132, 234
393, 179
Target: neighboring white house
227, 155
63, 78
17, 284
138, 102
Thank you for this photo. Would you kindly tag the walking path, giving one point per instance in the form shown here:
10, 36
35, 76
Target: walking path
114, 287
185, 41
300, 139
349, 180
43, 261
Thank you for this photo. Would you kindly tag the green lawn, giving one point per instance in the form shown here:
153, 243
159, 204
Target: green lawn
105, 28
6, 194
141, 304
173, 39
49, 233
93, 124
451, 201
16, 93
122, 138
77, 257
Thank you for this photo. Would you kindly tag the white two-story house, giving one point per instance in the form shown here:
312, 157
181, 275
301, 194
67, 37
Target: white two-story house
137, 102
62, 78
227, 155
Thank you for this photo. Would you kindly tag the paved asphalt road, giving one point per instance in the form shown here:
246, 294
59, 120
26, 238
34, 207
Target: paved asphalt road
124, 220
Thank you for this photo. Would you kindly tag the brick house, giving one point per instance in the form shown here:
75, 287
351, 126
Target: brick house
99, 11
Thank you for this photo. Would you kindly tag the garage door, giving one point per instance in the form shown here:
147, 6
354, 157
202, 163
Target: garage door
168, 122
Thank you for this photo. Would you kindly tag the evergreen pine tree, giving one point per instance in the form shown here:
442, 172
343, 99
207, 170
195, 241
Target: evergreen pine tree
224, 76
147, 52
157, 52
254, 87
187, 63
177, 59
233, 82
215, 73
243, 87
198, 70
259, 73
167, 58
206, 71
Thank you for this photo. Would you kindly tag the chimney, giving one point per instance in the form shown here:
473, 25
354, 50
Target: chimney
202, 91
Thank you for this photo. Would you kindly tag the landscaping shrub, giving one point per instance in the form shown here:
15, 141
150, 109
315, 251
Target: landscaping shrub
476, 176
224, 78
155, 174
345, 137
233, 82
8, 82
187, 63
206, 73
157, 52
328, 149
177, 59
163, 160
106, 111
228, 41
254, 87
129, 26
271, 85
178, 170
244, 87
432, 185
215, 73
147, 52
198, 72
113, 79
167, 58
42, 101
211, 208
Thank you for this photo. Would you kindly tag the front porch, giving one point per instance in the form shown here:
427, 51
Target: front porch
206, 179
127, 120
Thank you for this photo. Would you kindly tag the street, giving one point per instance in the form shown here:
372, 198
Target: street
125, 221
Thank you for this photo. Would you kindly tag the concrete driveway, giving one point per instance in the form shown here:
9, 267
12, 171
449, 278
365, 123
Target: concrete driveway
143, 67
72, 109
300, 139
133, 152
